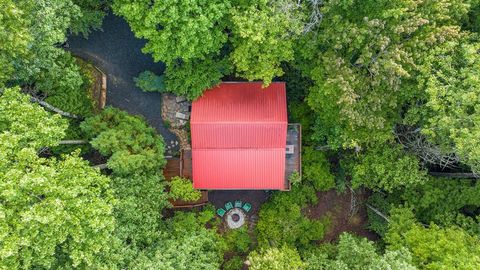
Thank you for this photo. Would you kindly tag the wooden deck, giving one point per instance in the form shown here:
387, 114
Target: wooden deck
183, 167
293, 162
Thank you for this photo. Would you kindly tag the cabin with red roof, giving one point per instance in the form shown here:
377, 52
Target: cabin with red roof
241, 139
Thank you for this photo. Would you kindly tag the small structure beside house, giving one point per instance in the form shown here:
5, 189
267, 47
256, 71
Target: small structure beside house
240, 136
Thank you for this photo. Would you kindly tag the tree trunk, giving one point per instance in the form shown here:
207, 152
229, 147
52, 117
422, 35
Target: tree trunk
454, 175
74, 142
54, 109
378, 212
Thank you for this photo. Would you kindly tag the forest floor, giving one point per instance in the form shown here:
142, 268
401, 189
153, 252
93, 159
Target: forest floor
337, 206
117, 52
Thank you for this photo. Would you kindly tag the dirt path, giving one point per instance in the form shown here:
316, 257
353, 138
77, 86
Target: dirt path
338, 208
117, 52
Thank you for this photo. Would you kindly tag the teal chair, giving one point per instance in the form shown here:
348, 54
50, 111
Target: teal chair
247, 207
221, 212
228, 206
238, 204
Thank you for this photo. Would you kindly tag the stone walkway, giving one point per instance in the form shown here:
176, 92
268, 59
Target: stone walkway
176, 113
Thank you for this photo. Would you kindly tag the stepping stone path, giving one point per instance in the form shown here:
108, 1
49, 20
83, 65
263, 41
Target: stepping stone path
176, 113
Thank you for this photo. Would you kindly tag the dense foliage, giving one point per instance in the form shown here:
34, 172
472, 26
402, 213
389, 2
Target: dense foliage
275, 259
182, 189
132, 145
55, 212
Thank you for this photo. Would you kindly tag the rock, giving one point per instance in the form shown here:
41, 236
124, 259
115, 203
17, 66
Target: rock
179, 99
181, 116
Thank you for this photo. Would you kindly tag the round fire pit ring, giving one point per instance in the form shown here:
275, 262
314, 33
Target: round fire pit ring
235, 218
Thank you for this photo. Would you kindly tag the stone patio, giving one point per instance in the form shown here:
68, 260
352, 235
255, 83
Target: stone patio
176, 115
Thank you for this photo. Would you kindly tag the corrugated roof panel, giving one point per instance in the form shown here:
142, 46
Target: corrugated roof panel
238, 168
238, 135
241, 102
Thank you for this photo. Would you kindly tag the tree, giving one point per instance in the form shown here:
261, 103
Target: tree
14, 38
133, 146
186, 245
355, 253
449, 115
275, 259
281, 221
27, 124
91, 18
191, 78
138, 213
182, 189
387, 167
432, 247
316, 169
176, 29
54, 211
262, 39
363, 61
150, 82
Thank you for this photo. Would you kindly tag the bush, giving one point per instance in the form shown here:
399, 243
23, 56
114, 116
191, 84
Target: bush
190, 79
182, 189
68, 90
132, 145
281, 220
150, 82
316, 169
275, 259
386, 167
238, 240
234, 263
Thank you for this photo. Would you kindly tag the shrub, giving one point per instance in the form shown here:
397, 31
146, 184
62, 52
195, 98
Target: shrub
275, 259
182, 189
150, 82
238, 240
281, 220
234, 263
386, 167
132, 145
316, 169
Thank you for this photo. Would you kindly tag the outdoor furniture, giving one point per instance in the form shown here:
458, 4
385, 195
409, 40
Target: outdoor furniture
238, 204
247, 207
221, 212
228, 206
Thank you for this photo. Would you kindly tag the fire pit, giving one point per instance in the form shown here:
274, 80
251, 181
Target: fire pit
235, 218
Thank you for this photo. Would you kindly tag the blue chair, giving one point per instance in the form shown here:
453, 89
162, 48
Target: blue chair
221, 212
238, 204
247, 207
228, 206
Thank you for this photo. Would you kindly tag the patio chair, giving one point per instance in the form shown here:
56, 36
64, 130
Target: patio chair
247, 207
228, 206
238, 204
221, 212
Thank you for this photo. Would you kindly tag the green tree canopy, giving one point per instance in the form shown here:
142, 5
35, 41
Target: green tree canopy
53, 211
353, 253
132, 145
432, 247
275, 259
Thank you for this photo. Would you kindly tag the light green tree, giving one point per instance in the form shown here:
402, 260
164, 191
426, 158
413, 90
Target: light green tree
176, 29
53, 211
275, 259
432, 247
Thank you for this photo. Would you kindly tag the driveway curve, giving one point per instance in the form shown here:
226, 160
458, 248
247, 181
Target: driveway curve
117, 52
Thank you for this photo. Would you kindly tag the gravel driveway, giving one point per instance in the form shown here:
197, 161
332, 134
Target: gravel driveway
117, 52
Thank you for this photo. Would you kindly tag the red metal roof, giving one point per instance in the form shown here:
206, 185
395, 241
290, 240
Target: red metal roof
238, 133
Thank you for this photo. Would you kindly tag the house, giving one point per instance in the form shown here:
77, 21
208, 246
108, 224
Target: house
241, 138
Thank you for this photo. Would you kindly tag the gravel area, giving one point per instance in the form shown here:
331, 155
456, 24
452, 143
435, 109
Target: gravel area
117, 52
